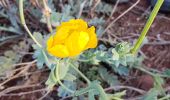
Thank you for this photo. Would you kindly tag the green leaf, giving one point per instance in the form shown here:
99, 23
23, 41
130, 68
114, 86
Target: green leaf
130, 58
106, 76
158, 83
91, 95
38, 36
6, 62
97, 21
123, 48
104, 8
83, 91
151, 95
69, 77
39, 56
121, 70
167, 72
63, 69
115, 55
55, 18
123, 61
51, 79
10, 29
62, 92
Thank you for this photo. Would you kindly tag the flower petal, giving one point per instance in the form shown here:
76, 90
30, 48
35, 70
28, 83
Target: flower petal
83, 39
59, 50
75, 24
61, 34
71, 44
93, 38
50, 42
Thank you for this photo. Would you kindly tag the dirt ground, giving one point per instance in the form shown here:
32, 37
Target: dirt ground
130, 26
156, 51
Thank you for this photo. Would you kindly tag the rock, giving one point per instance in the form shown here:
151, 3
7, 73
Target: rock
146, 82
165, 6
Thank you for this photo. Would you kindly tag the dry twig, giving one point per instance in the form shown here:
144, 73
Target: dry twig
130, 8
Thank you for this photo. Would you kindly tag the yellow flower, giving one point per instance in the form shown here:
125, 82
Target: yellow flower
71, 39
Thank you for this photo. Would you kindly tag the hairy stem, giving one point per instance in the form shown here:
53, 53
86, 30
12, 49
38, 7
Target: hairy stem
24, 24
81, 74
58, 79
147, 26
102, 92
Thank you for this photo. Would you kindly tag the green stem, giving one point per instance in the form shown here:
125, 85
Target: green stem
58, 79
81, 74
147, 26
26, 28
24, 24
46, 58
150, 73
102, 92
167, 97
144, 70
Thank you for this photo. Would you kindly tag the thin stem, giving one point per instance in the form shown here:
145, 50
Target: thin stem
47, 14
58, 79
147, 26
81, 74
46, 58
167, 97
150, 73
102, 92
24, 24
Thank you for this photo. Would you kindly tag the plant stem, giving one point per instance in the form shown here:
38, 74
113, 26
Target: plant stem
24, 24
58, 79
46, 59
47, 14
165, 98
81, 74
147, 26
150, 73
102, 92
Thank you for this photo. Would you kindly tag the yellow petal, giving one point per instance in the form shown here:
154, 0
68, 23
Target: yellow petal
75, 24
61, 34
71, 43
59, 50
82, 40
93, 38
50, 42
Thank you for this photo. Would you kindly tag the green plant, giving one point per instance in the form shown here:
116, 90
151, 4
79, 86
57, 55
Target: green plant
64, 72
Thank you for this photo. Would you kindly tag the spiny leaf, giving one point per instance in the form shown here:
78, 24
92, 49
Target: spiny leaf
97, 21
62, 92
121, 70
104, 8
110, 79
115, 55
151, 95
38, 36
38, 54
